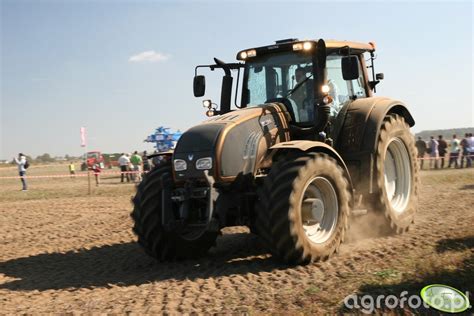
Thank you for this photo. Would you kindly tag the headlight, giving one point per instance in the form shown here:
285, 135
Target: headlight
248, 53
303, 46
207, 103
180, 165
204, 163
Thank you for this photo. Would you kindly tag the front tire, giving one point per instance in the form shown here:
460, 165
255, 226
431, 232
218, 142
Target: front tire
308, 208
147, 216
397, 174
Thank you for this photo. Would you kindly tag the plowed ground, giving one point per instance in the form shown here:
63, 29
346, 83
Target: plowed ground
64, 251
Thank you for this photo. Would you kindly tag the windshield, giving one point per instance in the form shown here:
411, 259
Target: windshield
284, 75
93, 155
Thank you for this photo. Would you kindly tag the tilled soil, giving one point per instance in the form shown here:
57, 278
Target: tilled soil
78, 254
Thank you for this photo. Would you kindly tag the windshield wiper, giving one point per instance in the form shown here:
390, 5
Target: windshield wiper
298, 85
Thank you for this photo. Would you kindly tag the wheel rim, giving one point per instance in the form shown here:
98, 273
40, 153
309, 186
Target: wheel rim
320, 210
397, 174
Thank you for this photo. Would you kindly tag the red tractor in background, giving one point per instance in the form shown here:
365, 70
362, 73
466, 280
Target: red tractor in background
92, 158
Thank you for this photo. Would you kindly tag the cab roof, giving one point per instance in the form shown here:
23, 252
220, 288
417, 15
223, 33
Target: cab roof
365, 47
331, 45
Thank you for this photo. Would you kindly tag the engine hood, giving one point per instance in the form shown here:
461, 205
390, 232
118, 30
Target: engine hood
236, 141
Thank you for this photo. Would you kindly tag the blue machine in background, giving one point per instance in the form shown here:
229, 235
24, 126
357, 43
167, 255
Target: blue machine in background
164, 138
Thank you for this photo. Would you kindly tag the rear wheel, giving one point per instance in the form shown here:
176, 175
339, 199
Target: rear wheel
307, 208
158, 242
397, 174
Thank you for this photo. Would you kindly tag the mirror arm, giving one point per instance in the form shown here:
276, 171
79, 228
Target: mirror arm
374, 82
230, 66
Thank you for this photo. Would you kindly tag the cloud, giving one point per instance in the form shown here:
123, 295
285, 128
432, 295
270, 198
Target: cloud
149, 56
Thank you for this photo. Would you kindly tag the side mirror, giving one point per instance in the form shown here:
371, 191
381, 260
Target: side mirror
379, 76
350, 67
199, 86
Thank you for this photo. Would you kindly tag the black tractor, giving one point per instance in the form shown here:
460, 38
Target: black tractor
308, 146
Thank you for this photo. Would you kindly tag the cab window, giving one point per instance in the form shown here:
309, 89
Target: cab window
285, 76
340, 90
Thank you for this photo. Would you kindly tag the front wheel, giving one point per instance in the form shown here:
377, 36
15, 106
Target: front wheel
397, 174
308, 208
158, 242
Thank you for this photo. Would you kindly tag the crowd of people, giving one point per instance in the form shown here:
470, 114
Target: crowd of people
461, 152
461, 155
132, 166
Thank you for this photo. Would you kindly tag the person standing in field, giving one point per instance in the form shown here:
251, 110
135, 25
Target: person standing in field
124, 163
72, 170
96, 169
466, 151
136, 161
146, 162
22, 164
434, 154
421, 146
442, 146
470, 141
454, 152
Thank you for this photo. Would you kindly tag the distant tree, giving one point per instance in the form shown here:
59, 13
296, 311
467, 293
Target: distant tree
44, 158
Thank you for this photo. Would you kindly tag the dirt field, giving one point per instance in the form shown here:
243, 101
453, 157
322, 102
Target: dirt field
63, 251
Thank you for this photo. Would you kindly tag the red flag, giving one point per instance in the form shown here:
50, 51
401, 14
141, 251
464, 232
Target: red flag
83, 137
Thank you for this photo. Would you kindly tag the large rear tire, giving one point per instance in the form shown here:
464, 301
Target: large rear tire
306, 204
396, 196
147, 216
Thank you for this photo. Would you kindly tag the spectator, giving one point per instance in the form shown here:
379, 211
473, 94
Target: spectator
124, 163
72, 170
434, 154
442, 146
136, 161
22, 166
471, 147
454, 152
96, 169
146, 162
421, 146
466, 151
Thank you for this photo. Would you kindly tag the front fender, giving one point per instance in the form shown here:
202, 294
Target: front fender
312, 146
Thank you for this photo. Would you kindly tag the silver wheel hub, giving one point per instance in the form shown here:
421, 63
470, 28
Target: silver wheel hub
320, 209
317, 210
397, 175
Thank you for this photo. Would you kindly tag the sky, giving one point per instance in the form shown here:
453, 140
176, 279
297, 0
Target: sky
123, 68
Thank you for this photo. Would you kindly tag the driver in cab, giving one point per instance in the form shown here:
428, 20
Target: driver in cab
300, 97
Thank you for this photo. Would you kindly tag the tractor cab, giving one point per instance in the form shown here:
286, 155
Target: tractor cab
313, 80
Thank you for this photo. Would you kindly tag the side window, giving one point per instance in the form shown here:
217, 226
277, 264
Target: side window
256, 80
278, 82
358, 85
339, 89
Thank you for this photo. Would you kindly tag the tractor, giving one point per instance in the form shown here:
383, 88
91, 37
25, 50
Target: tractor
92, 158
305, 148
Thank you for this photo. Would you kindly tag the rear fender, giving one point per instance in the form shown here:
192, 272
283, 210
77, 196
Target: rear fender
357, 133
